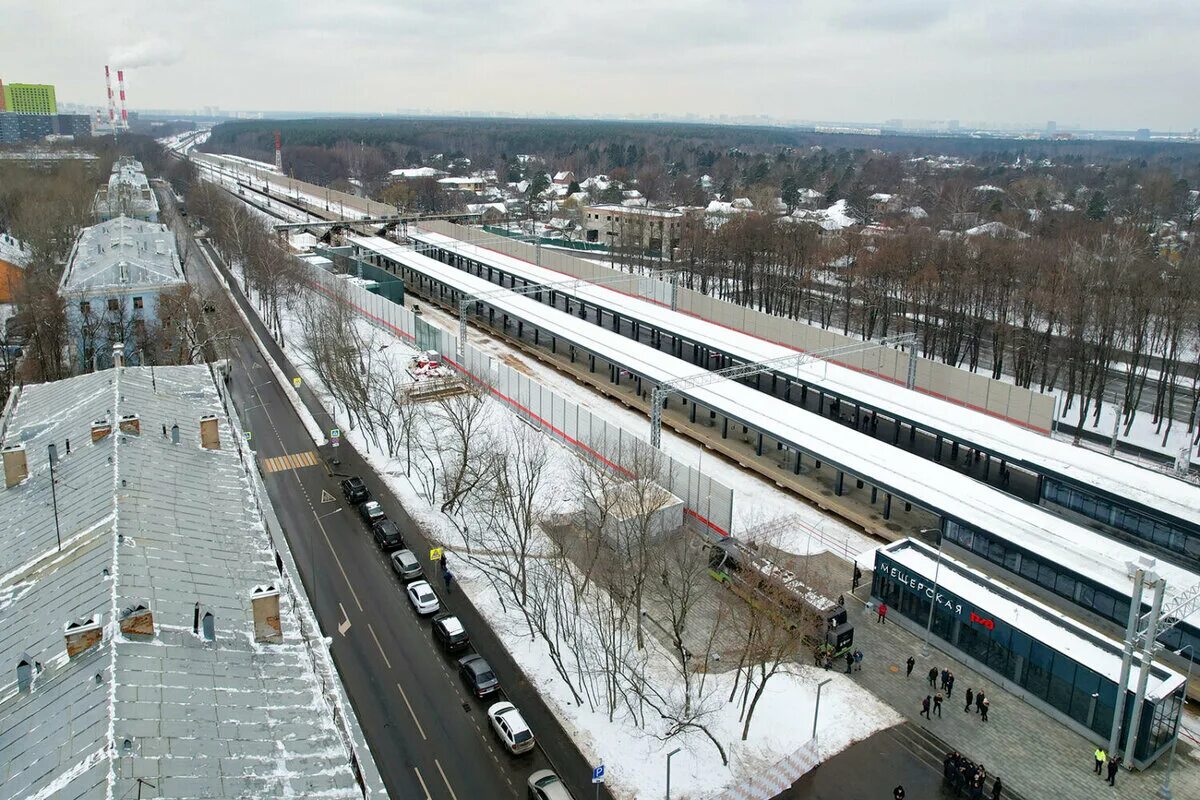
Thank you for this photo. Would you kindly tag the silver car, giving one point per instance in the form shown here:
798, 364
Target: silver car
405, 563
545, 785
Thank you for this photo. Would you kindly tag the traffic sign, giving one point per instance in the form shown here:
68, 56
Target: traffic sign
598, 774
335, 433
247, 436
435, 554
296, 382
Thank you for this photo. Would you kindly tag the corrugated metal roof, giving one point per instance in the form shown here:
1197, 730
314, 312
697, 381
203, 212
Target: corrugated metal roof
123, 253
128, 191
144, 520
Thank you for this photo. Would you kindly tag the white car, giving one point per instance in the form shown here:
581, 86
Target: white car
422, 597
511, 727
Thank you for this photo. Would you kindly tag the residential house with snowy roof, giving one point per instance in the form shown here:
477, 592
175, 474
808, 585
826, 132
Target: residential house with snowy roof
151, 622
127, 193
14, 257
112, 285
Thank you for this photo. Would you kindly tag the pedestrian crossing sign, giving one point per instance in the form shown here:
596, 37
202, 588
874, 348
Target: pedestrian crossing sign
296, 382
435, 554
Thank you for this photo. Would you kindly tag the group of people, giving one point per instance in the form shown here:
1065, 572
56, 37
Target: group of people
1113, 763
968, 778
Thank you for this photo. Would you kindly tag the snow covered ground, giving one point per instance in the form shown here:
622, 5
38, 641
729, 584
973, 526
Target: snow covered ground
635, 756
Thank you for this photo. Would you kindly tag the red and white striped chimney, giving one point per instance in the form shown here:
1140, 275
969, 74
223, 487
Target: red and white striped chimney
278, 153
121, 86
112, 109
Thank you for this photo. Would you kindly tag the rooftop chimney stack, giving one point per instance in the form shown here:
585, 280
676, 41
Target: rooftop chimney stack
137, 620
82, 635
16, 465
100, 429
210, 436
130, 423
118, 351
121, 87
267, 628
112, 108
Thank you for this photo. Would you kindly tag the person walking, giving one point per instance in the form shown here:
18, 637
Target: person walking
1114, 764
945, 675
983, 709
937, 704
949, 686
882, 613
979, 698
925, 708
933, 673
1100, 757
898, 793
912, 662
858, 659
448, 578
970, 698
849, 661
857, 577
997, 788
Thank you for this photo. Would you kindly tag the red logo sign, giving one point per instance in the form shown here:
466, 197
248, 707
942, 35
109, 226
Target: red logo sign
987, 623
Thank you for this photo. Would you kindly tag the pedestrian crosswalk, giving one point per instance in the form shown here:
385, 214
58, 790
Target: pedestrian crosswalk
290, 461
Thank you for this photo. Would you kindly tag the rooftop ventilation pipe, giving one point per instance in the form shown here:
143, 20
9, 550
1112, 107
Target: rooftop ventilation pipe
130, 423
137, 620
100, 429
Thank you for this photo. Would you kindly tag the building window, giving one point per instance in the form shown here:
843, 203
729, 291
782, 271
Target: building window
137, 304
114, 304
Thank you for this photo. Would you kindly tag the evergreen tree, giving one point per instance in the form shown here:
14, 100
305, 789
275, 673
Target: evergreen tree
1097, 206
831, 194
790, 193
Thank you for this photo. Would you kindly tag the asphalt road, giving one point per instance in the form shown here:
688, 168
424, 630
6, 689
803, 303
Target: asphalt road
429, 738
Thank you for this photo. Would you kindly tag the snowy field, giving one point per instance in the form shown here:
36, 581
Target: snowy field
633, 753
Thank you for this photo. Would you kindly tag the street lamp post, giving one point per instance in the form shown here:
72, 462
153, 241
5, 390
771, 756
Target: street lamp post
932, 600
1165, 791
673, 752
817, 708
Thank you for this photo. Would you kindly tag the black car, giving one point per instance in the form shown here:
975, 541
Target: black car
387, 535
477, 675
450, 633
371, 512
355, 491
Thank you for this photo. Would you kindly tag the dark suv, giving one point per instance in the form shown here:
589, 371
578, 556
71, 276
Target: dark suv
387, 535
354, 490
450, 633
478, 675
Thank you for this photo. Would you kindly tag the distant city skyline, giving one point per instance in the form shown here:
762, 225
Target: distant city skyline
1104, 65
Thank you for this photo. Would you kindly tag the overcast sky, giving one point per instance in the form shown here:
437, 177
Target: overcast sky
1099, 63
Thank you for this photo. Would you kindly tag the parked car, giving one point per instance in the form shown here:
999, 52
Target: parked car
387, 535
371, 512
478, 675
405, 563
354, 490
450, 633
421, 595
545, 785
511, 727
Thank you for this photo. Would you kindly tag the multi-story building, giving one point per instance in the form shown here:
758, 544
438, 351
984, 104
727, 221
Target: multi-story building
654, 230
78, 125
30, 98
128, 193
112, 285
153, 627
16, 127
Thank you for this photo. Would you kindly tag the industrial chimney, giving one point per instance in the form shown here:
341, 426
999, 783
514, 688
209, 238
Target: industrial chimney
278, 153
121, 87
112, 108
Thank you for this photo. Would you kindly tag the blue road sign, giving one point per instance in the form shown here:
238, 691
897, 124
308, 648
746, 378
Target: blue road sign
598, 774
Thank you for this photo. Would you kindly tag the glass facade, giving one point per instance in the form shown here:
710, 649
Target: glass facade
1074, 689
1176, 537
1109, 603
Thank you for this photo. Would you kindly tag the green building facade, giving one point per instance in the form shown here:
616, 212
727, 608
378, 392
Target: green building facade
30, 98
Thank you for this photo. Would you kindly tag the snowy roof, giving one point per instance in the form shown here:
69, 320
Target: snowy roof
123, 253
834, 218
955, 494
916, 212
987, 187
128, 191
417, 172
1073, 639
637, 210
147, 522
14, 251
479, 208
996, 230
563, 176
880, 197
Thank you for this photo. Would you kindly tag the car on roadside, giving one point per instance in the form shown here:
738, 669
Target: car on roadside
511, 728
421, 595
405, 563
355, 490
371, 512
387, 535
545, 785
477, 675
450, 633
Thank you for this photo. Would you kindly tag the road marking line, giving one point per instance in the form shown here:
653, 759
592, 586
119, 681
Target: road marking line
377, 644
449, 788
337, 560
345, 624
424, 788
289, 461
420, 730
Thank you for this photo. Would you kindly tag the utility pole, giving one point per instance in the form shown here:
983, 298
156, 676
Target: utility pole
1147, 642
1138, 572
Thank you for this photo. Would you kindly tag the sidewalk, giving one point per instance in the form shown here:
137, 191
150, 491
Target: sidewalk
1033, 753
